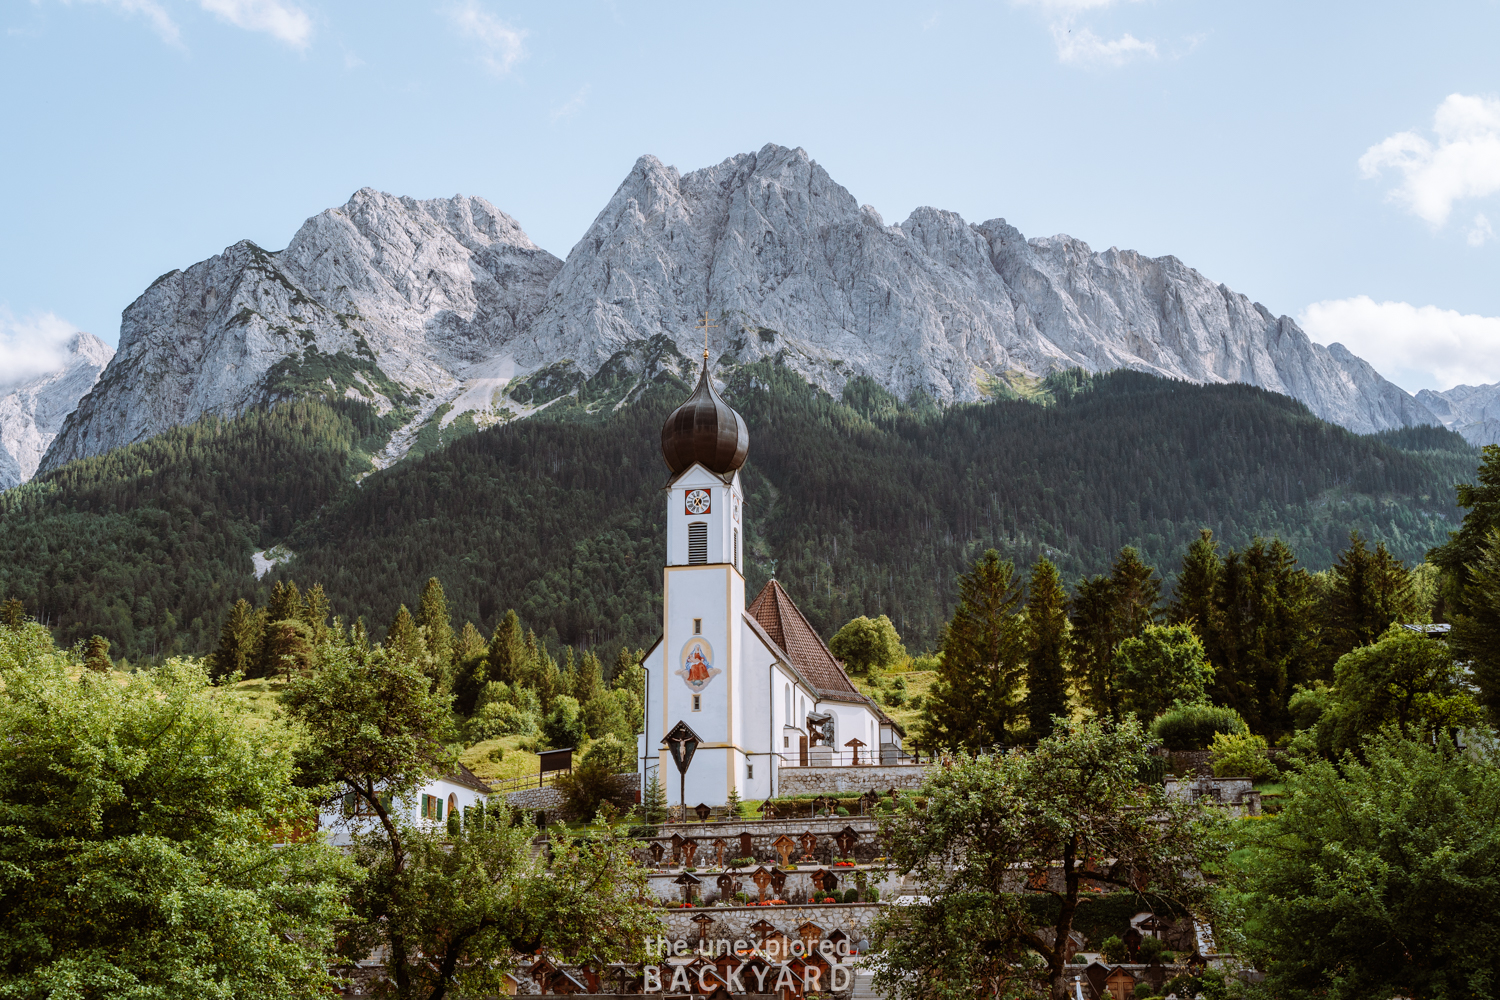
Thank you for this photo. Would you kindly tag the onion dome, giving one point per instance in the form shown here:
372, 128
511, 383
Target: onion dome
706, 430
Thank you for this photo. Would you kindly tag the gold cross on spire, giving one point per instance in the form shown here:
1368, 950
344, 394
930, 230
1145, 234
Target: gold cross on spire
705, 326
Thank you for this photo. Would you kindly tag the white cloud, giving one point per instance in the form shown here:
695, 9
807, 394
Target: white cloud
1480, 232
503, 45
1080, 46
1414, 346
161, 22
281, 21
1077, 44
573, 105
32, 346
1464, 162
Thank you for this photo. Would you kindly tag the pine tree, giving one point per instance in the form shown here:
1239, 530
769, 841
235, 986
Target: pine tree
404, 639
12, 613
1481, 500
1046, 644
734, 804
975, 696
654, 802
1476, 632
1091, 645
629, 674
285, 606
1193, 600
286, 602
239, 640
470, 643
588, 679
1136, 593
508, 653
1368, 590
96, 655
436, 624
315, 609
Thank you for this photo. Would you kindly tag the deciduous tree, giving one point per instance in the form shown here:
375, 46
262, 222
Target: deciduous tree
1159, 668
868, 645
998, 828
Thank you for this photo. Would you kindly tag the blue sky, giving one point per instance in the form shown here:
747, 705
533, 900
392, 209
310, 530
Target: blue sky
1338, 162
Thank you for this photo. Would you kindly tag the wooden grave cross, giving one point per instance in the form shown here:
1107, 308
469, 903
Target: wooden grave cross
809, 844
725, 883
676, 847
767, 810
704, 921
785, 846
720, 847
778, 880
657, 851
747, 845
846, 840
761, 878
689, 851
704, 812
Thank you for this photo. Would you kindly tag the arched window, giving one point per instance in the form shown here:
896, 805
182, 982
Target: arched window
452, 804
787, 719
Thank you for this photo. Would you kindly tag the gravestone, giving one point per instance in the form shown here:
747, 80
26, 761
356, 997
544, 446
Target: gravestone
760, 929
784, 846
688, 881
720, 847
825, 881
725, 884
767, 810
761, 878
704, 922
657, 850
747, 845
676, 847
778, 880
689, 851
846, 840
809, 842
703, 811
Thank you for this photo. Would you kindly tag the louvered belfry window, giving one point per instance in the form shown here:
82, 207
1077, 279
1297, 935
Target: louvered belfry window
698, 542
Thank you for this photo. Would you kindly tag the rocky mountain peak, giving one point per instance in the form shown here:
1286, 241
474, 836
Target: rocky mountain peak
33, 410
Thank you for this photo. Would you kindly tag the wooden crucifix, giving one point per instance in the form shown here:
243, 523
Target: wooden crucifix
761, 878
846, 840
721, 846
657, 851
676, 847
809, 841
725, 884
778, 880
689, 851
784, 846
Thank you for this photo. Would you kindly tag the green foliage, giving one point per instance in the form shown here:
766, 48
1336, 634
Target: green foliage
1241, 755
1476, 632
139, 856
1379, 876
734, 806
1105, 612
868, 646
592, 782
1481, 501
1046, 649
563, 727
1073, 800
1192, 727
1405, 680
150, 544
1162, 666
1114, 949
654, 802
96, 655
1369, 590
976, 694
1259, 626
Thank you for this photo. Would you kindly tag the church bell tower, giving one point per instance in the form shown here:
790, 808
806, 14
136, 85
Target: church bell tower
704, 443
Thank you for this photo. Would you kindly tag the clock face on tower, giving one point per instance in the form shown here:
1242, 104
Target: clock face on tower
697, 501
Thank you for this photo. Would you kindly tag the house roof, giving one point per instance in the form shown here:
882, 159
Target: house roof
467, 778
776, 613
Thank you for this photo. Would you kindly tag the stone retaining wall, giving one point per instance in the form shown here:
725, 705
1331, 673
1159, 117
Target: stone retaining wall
848, 779
867, 845
733, 922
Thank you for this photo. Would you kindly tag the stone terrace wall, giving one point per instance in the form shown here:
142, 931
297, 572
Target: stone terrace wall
828, 780
733, 922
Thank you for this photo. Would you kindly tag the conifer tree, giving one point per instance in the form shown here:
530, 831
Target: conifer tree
285, 606
314, 614
12, 613
239, 640
1193, 600
96, 655
470, 643
404, 639
654, 802
588, 679
1368, 590
1476, 633
1091, 645
629, 674
975, 697
1136, 592
436, 623
508, 652
1481, 500
285, 603
1046, 644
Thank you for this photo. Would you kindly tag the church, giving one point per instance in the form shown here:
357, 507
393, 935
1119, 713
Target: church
756, 685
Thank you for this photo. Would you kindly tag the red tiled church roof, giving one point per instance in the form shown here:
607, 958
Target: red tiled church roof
785, 624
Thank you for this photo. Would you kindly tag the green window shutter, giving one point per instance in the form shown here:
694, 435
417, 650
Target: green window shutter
437, 807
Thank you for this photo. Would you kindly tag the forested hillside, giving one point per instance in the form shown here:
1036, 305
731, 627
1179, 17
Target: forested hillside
863, 505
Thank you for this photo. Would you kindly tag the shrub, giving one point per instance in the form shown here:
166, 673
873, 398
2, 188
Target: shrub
1209, 984
896, 696
872, 895
1192, 727
1150, 948
564, 724
841, 811
1241, 755
592, 783
1162, 666
917, 701
455, 825
1114, 950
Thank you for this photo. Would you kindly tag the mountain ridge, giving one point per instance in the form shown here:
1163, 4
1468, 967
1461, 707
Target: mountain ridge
33, 411
440, 310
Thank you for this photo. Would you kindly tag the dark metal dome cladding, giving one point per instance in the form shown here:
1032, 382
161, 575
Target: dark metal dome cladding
706, 430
